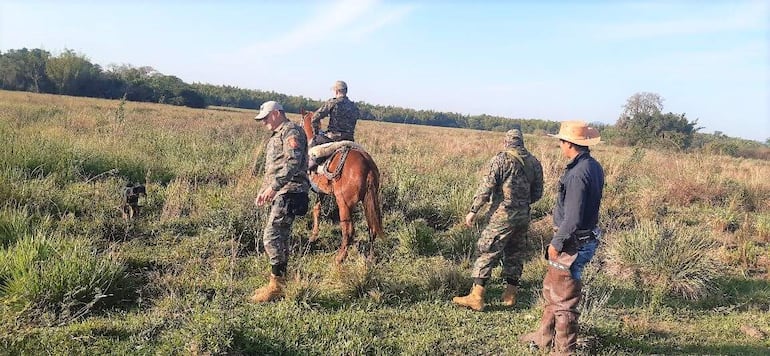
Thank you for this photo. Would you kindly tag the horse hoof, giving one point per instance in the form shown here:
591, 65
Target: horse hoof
340, 258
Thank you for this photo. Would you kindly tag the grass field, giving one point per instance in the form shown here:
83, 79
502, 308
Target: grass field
683, 268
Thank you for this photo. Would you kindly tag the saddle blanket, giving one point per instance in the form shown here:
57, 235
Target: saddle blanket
327, 149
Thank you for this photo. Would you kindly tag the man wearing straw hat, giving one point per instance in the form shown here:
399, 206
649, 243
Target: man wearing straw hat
575, 239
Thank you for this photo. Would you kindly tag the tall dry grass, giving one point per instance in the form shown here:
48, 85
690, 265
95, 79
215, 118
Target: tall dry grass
193, 252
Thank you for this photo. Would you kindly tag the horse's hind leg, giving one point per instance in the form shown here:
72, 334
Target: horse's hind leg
370, 253
347, 227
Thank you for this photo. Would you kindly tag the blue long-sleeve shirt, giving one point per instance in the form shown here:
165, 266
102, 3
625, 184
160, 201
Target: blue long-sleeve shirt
578, 198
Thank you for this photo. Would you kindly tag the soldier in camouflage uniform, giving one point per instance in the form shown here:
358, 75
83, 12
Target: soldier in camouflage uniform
285, 177
343, 115
514, 181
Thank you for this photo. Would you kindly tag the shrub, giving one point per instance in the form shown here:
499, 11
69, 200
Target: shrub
42, 271
459, 243
417, 238
408, 279
13, 224
762, 227
304, 289
664, 258
354, 279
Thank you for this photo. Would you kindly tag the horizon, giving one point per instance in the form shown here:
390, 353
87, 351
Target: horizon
521, 60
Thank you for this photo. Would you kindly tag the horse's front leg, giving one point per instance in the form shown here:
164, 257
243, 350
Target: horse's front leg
346, 225
316, 216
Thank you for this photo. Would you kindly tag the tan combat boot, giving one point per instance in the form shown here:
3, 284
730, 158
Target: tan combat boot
272, 291
474, 300
509, 295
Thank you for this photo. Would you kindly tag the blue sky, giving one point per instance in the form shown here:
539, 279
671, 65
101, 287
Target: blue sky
552, 60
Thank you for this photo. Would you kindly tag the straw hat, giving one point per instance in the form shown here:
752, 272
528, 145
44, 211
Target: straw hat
578, 132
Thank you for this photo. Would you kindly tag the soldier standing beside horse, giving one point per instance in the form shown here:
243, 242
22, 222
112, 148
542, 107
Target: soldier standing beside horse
285, 187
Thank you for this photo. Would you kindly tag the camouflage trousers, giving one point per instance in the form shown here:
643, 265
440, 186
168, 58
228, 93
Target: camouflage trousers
327, 137
278, 231
503, 241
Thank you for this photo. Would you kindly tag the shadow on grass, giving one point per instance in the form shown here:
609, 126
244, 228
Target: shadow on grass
736, 293
730, 294
652, 347
658, 343
247, 343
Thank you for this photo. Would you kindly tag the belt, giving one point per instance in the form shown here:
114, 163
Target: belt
584, 236
558, 265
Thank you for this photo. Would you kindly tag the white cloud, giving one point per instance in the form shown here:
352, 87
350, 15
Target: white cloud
734, 17
343, 17
388, 17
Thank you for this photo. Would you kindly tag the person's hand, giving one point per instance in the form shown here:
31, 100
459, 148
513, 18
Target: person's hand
552, 253
265, 196
469, 219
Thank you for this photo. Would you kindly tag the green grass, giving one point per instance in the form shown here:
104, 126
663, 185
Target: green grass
75, 278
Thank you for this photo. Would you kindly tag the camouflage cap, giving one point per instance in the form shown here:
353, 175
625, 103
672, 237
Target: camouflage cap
514, 136
340, 85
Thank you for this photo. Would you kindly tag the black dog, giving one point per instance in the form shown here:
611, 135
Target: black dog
130, 206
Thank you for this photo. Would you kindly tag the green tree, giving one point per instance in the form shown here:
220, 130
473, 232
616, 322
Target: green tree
136, 81
643, 123
71, 73
24, 70
639, 105
191, 98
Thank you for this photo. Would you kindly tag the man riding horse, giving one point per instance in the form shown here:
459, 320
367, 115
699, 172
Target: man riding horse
343, 115
350, 174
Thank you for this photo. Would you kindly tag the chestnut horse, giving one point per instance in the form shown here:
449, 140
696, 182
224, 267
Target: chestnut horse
359, 181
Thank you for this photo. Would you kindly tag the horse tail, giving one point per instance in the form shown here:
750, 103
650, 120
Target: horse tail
372, 209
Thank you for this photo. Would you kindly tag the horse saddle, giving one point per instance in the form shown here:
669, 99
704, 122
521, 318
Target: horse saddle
327, 150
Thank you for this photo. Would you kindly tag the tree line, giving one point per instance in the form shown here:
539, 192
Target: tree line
71, 73
642, 122
229, 96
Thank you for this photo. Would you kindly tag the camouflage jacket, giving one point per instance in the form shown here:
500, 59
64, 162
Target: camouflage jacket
286, 160
342, 113
514, 181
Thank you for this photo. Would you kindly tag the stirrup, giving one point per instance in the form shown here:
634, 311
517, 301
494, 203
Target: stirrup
314, 187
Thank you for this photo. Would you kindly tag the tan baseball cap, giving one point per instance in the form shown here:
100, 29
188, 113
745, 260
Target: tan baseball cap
266, 108
578, 132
